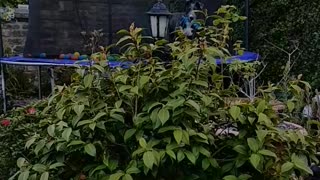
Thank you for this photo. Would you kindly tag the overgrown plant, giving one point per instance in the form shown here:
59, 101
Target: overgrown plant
160, 120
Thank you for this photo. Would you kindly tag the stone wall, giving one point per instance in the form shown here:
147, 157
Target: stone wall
14, 33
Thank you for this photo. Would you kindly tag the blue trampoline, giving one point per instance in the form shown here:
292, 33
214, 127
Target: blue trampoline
38, 62
19, 60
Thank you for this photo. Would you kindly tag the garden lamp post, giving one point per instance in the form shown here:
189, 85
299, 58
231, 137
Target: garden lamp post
159, 19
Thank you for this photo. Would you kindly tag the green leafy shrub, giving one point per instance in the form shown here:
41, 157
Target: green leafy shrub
11, 3
273, 32
296, 27
159, 120
15, 129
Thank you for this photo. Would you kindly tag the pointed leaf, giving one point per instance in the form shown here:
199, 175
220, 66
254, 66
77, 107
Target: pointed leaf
24, 175
39, 168
117, 117
129, 133
290, 106
133, 170
205, 164
266, 152
88, 79
255, 160
264, 119
171, 154
214, 163
154, 105
66, 134
180, 156
127, 177
261, 134
178, 135
143, 143
75, 143
90, 149
30, 142
194, 105
235, 112
163, 115
135, 90
51, 130
241, 149
44, 176
244, 177
56, 165
253, 144
124, 88
99, 115
92, 126
301, 164
287, 167
123, 39
78, 109
261, 107
149, 159
201, 83
143, 81
191, 157
116, 176
39, 147
85, 122
204, 151
60, 114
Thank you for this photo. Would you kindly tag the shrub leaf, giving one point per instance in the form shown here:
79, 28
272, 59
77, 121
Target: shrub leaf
235, 112
253, 144
66, 134
191, 157
44, 176
90, 149
266, 152
255, 160
286, 167
51, 130
178, 135
163, 115
128, 134
24, 175
148, 159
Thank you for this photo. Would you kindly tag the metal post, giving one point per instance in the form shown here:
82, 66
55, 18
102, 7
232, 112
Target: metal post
1, 41
39, 83
52, 80
4, 97
246, 41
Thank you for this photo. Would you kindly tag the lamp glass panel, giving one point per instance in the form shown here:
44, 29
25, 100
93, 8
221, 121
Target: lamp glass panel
154, 24
163, 23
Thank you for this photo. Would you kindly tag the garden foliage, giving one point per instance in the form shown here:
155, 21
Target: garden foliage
159, 120
287, 25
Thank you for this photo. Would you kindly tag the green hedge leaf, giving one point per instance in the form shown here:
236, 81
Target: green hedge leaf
90, 149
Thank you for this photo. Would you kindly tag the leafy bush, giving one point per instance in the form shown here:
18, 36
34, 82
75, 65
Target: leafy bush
297, 27
15, 129
159, 120
12, 3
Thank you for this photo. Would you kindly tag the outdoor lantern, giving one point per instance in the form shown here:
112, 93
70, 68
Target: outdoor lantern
159, 19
